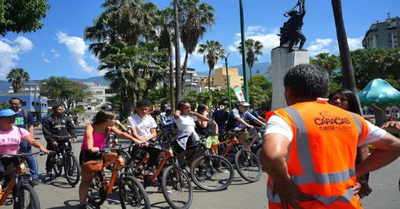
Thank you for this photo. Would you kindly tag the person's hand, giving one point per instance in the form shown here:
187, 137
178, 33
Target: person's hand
356, 188
365, 190
73, 139
43, 149
55, 144
94, 150
392, 126
251, 126
289, 193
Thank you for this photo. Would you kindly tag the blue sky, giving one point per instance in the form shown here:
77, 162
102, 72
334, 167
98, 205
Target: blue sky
58, 49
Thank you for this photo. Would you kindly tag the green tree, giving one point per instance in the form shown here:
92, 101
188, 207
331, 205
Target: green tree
17, 77
22, 15
212, 51
195, 18
253, 48
330, 62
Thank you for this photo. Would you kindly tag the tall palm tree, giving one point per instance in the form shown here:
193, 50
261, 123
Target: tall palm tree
253, 48
212, 51
329, 61
195, 18
349, 81
17, 77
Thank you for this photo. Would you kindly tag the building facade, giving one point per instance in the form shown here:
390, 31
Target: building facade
219, 79
384, 35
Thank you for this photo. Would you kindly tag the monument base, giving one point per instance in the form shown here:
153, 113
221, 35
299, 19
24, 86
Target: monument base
281, 61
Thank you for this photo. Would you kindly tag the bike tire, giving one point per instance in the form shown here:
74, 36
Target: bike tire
27, 197
72, 169
216, 172
132, 194
176, 188
97, 192
57, 166
248, 165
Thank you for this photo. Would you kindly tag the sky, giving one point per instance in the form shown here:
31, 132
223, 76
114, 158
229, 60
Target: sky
58, 49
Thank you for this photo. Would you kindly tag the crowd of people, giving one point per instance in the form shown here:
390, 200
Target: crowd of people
325, 136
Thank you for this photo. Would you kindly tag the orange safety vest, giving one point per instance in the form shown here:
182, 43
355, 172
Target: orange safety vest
321, 159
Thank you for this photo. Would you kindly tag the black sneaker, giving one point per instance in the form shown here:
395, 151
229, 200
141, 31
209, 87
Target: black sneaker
35, 181
49, 177
82, 206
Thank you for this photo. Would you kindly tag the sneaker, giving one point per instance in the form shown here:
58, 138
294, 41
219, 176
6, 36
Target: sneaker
82, 206
35, 181
49, 177
148, 173
159, 189
221, 170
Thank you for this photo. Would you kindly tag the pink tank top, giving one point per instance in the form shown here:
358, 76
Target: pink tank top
98, 140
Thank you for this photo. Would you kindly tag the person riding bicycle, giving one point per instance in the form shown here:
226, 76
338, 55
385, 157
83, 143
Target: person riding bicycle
237, 120
93, 140
56, 129
207, 128
143, 127
10, 138
24, 119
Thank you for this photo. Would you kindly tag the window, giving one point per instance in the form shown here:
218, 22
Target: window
23, 103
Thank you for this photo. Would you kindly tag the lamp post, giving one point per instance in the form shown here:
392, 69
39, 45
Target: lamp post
228, 83
245, 85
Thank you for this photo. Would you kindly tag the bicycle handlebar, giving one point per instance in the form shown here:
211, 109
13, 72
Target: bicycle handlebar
23, 154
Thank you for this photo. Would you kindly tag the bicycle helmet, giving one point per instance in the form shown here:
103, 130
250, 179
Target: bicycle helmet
106, 107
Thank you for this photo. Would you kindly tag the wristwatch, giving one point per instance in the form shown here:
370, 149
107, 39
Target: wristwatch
363, 181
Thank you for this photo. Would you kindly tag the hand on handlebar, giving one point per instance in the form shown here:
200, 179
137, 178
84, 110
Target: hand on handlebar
43, 149
73, 139
94, 150
251, 126
55, 144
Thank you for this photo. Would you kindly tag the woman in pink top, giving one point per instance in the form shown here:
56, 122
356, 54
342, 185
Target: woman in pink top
94, 139
10, 137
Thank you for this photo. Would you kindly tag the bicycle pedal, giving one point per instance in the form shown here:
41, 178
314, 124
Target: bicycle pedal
8, 202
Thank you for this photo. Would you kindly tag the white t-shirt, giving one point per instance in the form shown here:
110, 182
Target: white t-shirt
276, 125
186, 125
143, 126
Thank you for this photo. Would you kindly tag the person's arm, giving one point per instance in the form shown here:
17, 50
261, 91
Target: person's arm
31, 141
387, 150
31, 121
46, 131
124, 135
177, 114
71, 129
216, 126
121, 126
199, 116
152, 135
89, 139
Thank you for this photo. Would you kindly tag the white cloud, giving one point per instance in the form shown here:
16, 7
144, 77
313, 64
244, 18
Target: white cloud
319, 46
55, 54
76, 47
44, 58
355, 43
10, 51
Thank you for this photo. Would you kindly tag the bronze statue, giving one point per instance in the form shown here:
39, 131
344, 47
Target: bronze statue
291, 33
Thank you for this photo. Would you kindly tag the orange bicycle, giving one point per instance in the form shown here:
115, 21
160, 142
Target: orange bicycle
131, 191
246, 162
25, 195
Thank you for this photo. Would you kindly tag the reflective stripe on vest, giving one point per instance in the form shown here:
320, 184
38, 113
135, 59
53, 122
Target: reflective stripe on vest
305, 158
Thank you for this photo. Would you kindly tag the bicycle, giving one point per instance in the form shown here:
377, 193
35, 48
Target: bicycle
246, 162
256, 141
131, 191
209, 172
175, 183
25, 195
64, 157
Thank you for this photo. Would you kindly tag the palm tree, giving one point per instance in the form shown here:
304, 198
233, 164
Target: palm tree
178, 73
195, 19
17, 77
212, 51
330, 62
253, 48
349, 81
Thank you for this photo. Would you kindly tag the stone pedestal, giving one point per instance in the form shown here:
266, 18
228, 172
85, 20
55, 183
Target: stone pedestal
281, 61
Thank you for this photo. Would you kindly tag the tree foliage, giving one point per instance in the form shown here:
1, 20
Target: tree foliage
17, 77
22, 15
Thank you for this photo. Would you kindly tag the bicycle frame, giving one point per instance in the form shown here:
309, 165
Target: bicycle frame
117, 164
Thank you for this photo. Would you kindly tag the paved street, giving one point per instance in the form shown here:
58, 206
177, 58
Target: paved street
58, 194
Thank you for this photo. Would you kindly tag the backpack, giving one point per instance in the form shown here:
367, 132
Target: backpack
230, 123
220, 116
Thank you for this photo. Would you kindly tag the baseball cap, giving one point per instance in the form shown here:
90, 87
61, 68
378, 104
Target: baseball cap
244, 103
5, 112
106, 107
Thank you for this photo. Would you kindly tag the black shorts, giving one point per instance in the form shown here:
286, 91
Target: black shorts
191, 143
87, 155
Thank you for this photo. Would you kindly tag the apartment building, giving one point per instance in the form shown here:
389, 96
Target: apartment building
383, 35
219, 79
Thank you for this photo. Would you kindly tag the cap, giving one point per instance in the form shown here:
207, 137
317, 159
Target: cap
244, 103
6, 112
106, 107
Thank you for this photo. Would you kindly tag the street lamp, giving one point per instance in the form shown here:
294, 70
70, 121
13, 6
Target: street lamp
228, 83
245, 85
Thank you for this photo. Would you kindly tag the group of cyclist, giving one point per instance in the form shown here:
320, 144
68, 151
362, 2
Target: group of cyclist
141, 127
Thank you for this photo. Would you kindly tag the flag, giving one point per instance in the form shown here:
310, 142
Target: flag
238, 92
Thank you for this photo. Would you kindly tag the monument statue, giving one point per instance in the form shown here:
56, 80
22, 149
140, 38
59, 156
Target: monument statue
291, 33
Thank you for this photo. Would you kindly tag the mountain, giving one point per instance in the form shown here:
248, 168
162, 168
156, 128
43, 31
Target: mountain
259, 68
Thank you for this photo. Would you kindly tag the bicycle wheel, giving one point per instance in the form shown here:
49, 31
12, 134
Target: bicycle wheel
248, 165
212, 173
97, 192
132, 194
176, 188
27, 198
72, 169
57, 165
